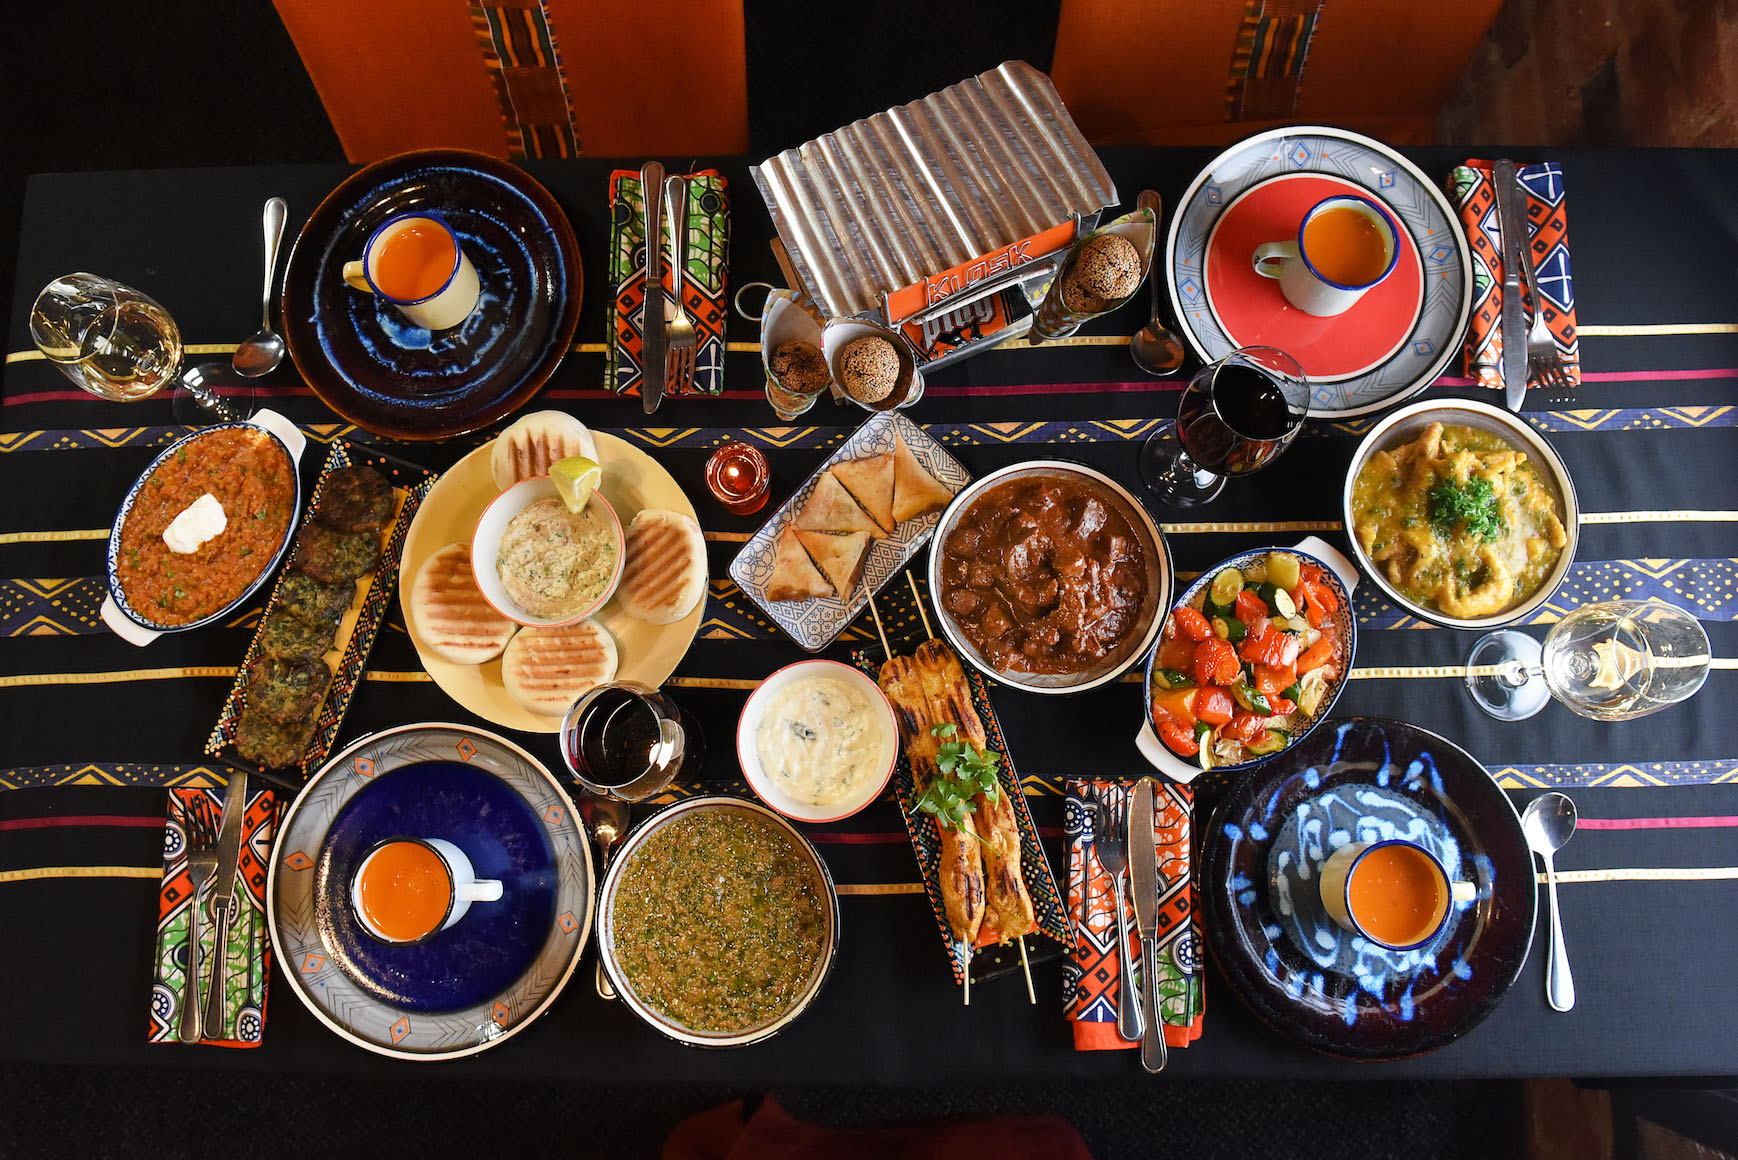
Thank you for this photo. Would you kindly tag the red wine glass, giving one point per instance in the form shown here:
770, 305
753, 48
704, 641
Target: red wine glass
1235, 417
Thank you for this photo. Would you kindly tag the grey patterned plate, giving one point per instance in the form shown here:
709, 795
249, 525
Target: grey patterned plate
1419, 353
316, 961
814, 624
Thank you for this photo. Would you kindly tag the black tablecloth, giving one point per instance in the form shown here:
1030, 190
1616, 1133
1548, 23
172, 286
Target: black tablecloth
91, 728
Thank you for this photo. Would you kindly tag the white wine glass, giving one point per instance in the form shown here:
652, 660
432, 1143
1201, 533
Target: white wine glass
1612, 661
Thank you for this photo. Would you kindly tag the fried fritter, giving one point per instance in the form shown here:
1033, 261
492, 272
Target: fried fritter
306, 599
355, 499
286, 690
272, 744
334, 557
291, 638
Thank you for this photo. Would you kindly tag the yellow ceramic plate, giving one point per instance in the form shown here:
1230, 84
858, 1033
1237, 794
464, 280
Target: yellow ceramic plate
649, 653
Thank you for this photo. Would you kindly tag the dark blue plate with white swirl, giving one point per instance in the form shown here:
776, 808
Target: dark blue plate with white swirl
1360, 779
373, 366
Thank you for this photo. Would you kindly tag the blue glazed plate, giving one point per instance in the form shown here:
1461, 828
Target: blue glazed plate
1303, 975
482, 980
372, 366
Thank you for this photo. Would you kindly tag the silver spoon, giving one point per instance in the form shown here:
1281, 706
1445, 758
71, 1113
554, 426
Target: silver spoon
197, 403
608, 820
1154, 348
261, 354
1548, 822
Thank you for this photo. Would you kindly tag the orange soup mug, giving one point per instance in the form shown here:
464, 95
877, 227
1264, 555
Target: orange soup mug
407, 889
1395, 893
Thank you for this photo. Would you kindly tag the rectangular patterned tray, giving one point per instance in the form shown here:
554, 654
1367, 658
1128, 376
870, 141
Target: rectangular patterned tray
412, 484
816, 623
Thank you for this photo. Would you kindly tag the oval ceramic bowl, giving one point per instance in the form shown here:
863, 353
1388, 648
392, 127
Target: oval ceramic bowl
1159, 580
748, 753
1341, 574
1404, 425
132, 625
486, 550
606, 932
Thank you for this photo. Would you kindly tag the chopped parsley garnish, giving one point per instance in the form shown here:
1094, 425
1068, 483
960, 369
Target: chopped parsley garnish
1472, 506
965, 773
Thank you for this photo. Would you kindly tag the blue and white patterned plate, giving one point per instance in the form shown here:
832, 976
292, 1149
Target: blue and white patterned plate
1361, 779
816, 623
301, 918
1421, 209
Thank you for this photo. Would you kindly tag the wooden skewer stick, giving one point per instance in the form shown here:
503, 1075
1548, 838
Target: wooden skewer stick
879, 631
1026, 965
966, 953
922, 615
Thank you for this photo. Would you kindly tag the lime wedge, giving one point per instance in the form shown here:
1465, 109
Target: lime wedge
574, 478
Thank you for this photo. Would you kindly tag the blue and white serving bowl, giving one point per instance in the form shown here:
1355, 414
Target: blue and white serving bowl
129, 622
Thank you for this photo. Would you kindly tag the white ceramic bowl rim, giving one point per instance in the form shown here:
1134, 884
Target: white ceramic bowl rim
537, 487
748, 756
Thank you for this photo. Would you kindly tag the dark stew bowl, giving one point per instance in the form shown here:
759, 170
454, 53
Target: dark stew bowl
130, 622
607, 926
1341, 577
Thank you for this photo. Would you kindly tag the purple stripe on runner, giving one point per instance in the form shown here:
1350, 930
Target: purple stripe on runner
1705, 823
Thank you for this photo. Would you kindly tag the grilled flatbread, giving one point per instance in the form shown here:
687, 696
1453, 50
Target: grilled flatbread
794, 575
530, 444
546, 669
871, 482
450, 616
665, 574
840, 558
831, 509
915, 490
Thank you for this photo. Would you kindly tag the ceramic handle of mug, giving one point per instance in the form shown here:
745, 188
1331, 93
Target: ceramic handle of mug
482, 890
1270, 259
1162, 759
356, 277
1463, 891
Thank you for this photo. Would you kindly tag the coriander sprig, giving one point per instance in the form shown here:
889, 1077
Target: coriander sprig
1473, 505
966, 772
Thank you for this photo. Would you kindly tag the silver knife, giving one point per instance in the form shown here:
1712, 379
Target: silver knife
1512, 225
654, 314
1143, 873
223, 897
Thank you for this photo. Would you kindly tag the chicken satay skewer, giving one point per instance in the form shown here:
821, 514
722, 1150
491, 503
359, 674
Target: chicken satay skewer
928, 632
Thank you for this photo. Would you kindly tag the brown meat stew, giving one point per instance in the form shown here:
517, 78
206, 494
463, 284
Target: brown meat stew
1044, 575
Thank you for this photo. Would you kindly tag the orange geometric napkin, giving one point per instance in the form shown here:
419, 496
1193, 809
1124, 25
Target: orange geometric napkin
1548, 234
1091, 975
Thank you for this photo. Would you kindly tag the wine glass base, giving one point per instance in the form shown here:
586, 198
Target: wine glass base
228, 401
1169, 473
1520, 690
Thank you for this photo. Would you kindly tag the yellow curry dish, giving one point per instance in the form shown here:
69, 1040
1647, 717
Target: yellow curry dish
1458, 520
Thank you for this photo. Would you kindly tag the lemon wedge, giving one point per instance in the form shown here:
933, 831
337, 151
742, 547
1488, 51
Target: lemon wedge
574, 478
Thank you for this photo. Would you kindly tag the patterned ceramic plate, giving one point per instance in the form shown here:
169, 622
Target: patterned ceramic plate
370, 364
1395, 341
483, 979
814, 624
1302, 974
357, 630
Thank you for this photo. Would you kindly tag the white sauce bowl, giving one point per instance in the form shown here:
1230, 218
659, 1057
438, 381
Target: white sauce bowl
748, 753
486, 550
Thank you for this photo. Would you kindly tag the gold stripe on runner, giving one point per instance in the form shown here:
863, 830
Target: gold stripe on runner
53, 537
1649, 874
30, 679
878, 888
715, 683
1650, 328
396, 678
1667, 517
36, 873
727, 537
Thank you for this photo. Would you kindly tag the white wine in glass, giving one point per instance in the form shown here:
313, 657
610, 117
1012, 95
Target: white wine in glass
108, 338
1613, 661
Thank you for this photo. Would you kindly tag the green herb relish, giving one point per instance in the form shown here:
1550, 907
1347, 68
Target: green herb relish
719, 921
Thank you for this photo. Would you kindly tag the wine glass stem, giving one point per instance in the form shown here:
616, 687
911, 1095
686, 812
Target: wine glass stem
1515, 674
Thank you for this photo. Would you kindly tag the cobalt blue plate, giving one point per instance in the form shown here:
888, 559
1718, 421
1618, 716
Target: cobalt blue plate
370, 364
1353, 780
505, 961
486, 950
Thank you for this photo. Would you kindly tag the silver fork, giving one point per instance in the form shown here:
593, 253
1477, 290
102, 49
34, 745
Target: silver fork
1108, 834
201, 866
684, 341
1544, 363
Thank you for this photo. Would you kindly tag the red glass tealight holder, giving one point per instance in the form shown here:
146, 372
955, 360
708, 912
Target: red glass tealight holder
738, 477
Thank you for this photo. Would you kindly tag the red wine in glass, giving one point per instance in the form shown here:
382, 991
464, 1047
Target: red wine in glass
1235, 417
